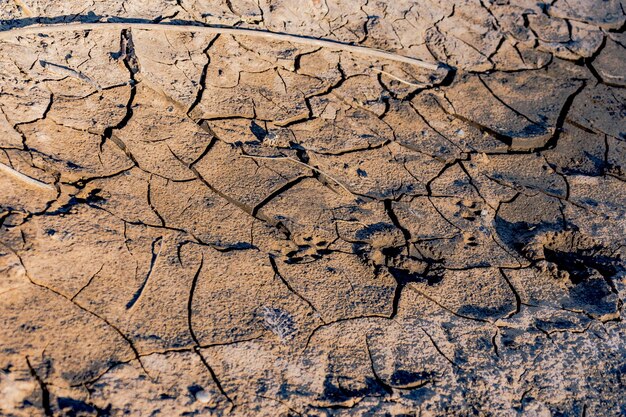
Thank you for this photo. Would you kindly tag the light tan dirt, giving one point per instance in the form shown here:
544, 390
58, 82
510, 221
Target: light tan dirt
196, 223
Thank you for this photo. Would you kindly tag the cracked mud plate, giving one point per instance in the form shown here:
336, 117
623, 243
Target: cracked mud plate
312, 208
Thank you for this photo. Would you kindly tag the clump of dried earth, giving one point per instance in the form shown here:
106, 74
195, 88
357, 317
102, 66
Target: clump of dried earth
227, 225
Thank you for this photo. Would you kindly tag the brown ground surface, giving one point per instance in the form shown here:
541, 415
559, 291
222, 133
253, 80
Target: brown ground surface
214, 225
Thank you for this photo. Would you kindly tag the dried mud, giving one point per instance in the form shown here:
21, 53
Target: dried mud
218, 224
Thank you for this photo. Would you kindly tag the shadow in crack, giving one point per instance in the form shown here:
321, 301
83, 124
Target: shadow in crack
404, 276
334, 392
580, 264
516, 235
405, 378
74, 408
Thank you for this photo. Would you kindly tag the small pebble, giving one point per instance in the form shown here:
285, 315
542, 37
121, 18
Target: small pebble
203, 396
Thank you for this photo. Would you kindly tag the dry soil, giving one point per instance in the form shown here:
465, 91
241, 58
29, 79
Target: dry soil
223, 223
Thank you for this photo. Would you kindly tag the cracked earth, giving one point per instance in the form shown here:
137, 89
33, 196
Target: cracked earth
229, 223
